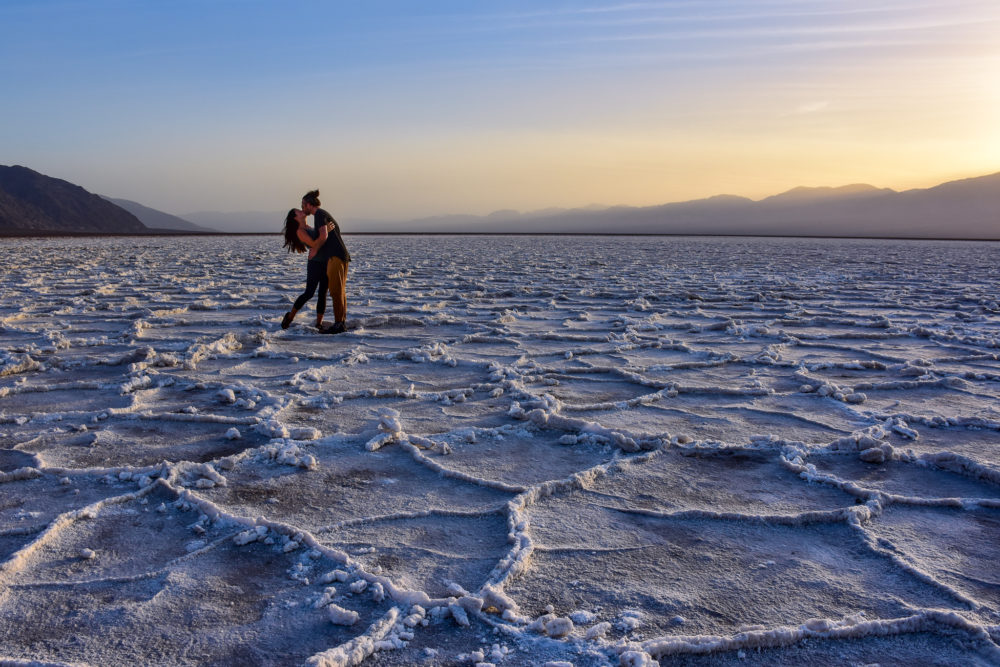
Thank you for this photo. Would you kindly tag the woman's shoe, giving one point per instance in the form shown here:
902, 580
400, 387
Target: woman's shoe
286, 321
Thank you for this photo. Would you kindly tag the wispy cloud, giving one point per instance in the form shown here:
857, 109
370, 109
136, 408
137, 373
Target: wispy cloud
812, 30
644, 13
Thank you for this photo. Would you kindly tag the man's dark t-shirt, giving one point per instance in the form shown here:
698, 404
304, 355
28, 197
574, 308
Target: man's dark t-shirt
334, 246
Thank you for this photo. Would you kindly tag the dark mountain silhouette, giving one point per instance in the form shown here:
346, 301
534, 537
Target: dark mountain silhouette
157, 220
32, 203
967, 209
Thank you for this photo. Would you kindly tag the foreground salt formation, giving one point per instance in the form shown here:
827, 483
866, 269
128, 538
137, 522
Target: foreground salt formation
525, 451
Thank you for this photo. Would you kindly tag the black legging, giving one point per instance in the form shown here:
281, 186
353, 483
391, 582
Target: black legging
315, 276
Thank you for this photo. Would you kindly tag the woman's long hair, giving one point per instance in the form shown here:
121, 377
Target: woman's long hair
292, 241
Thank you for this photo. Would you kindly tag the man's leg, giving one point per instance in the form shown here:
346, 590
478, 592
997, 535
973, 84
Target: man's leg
321, 299
336, 271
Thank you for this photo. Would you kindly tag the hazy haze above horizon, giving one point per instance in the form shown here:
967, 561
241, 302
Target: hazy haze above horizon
398, 110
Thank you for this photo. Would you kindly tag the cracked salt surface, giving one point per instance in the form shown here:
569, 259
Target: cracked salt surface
524, 451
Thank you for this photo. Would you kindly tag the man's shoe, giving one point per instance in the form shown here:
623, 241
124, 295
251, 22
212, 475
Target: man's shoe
339, 327
286, 321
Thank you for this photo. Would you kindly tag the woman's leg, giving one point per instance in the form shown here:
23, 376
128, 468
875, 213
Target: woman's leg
314, 274
336, 271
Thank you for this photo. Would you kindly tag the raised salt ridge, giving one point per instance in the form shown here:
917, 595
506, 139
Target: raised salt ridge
524, 451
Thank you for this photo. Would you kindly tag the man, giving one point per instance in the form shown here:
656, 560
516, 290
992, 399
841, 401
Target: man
337, 257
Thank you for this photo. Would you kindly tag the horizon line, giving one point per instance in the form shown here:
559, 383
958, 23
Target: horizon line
165, 233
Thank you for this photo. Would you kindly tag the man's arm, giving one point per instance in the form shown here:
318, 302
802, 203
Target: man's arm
314, 243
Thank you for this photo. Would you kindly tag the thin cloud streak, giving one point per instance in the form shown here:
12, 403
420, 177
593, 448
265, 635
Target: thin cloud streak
804, 31
654, 14
701, 5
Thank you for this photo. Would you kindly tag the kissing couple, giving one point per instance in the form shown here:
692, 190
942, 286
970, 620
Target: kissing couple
327, 264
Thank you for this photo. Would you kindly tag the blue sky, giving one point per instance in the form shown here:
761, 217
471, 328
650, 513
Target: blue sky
402, 109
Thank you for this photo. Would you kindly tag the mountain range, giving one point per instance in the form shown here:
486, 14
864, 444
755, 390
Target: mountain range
158, 220
32, 203
965, 209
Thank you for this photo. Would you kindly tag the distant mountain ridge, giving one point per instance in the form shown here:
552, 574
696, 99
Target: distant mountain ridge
34, 203
802, 193
158, 220
963, 209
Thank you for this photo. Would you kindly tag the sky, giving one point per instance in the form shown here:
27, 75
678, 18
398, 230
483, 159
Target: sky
403, 109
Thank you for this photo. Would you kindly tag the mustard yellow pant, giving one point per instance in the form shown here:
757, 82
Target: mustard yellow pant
336, 273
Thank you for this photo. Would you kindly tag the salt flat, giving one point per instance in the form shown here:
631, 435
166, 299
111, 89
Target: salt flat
525, 450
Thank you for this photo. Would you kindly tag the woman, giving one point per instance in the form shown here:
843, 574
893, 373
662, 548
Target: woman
299, 237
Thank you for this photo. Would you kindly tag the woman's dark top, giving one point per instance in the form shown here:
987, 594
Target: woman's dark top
314, 234
334, 246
